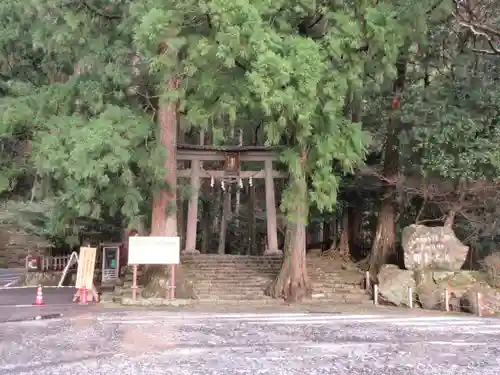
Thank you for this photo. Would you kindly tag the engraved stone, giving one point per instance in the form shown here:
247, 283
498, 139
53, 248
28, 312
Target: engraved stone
432, 248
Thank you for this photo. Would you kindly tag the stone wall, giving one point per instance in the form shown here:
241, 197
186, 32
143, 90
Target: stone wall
15, 245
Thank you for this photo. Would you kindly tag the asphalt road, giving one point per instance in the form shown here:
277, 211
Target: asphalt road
16, 304
157, 342
26, 296
10, 275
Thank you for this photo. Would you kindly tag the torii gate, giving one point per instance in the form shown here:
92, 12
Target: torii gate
232, 156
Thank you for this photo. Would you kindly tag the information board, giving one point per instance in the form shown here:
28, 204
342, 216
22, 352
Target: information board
153, 250
86, 266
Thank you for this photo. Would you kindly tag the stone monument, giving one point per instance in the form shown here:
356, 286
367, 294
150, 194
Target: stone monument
434, 248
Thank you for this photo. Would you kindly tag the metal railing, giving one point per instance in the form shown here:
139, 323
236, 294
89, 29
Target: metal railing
411, 300
51, 263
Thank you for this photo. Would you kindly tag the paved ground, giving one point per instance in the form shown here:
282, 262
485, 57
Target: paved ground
17, 303
158, 342
9, 276
26, 296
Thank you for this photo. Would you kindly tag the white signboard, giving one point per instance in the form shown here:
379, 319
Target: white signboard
153, 250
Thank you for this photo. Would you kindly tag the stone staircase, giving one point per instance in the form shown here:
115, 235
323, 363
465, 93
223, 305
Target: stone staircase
244, 278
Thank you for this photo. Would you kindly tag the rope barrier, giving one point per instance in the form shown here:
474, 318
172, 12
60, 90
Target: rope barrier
411, 299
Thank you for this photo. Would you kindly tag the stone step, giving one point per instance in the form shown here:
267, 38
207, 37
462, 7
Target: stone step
221, 290
233, 296
222, 270
260, 293
231, 259
243, 277
228, 272
258, 279
263, 286
213, 264
257, 268
272, 302
250, 279
316, 296
256, 288
264, 269
252, 287
255, 294
256, 302
237, 269
252, 259
231, 269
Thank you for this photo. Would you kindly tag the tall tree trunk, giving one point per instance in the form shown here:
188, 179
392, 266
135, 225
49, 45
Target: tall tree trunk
181, 201
292, 282
355, 214
343, 247
384, 243
164, 215
330, 233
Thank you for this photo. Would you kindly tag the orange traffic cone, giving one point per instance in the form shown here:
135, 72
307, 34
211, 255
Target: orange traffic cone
83, 295
39, 297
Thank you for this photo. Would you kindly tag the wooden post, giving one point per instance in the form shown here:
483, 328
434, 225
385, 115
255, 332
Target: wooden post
367, 280
410, 298
446, 300
134, 282
192, 217
478, 304
171, 291
272, 235
375, 294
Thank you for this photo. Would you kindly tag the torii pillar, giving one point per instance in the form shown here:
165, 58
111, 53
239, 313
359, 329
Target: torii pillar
272, 228
192, 216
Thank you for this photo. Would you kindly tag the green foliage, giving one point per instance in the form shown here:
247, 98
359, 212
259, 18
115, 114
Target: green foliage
281, 68
80, 83
456, 134
92, 149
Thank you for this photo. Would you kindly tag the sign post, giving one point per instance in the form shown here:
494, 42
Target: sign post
154, 251
85, 274
72, 259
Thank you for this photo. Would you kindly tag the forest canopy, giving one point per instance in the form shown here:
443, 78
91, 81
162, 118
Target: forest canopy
386, 113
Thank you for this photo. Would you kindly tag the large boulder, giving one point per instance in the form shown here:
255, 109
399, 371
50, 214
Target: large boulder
393, 284
432, 248
431, 286
429, 294
156, 281
489, 299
